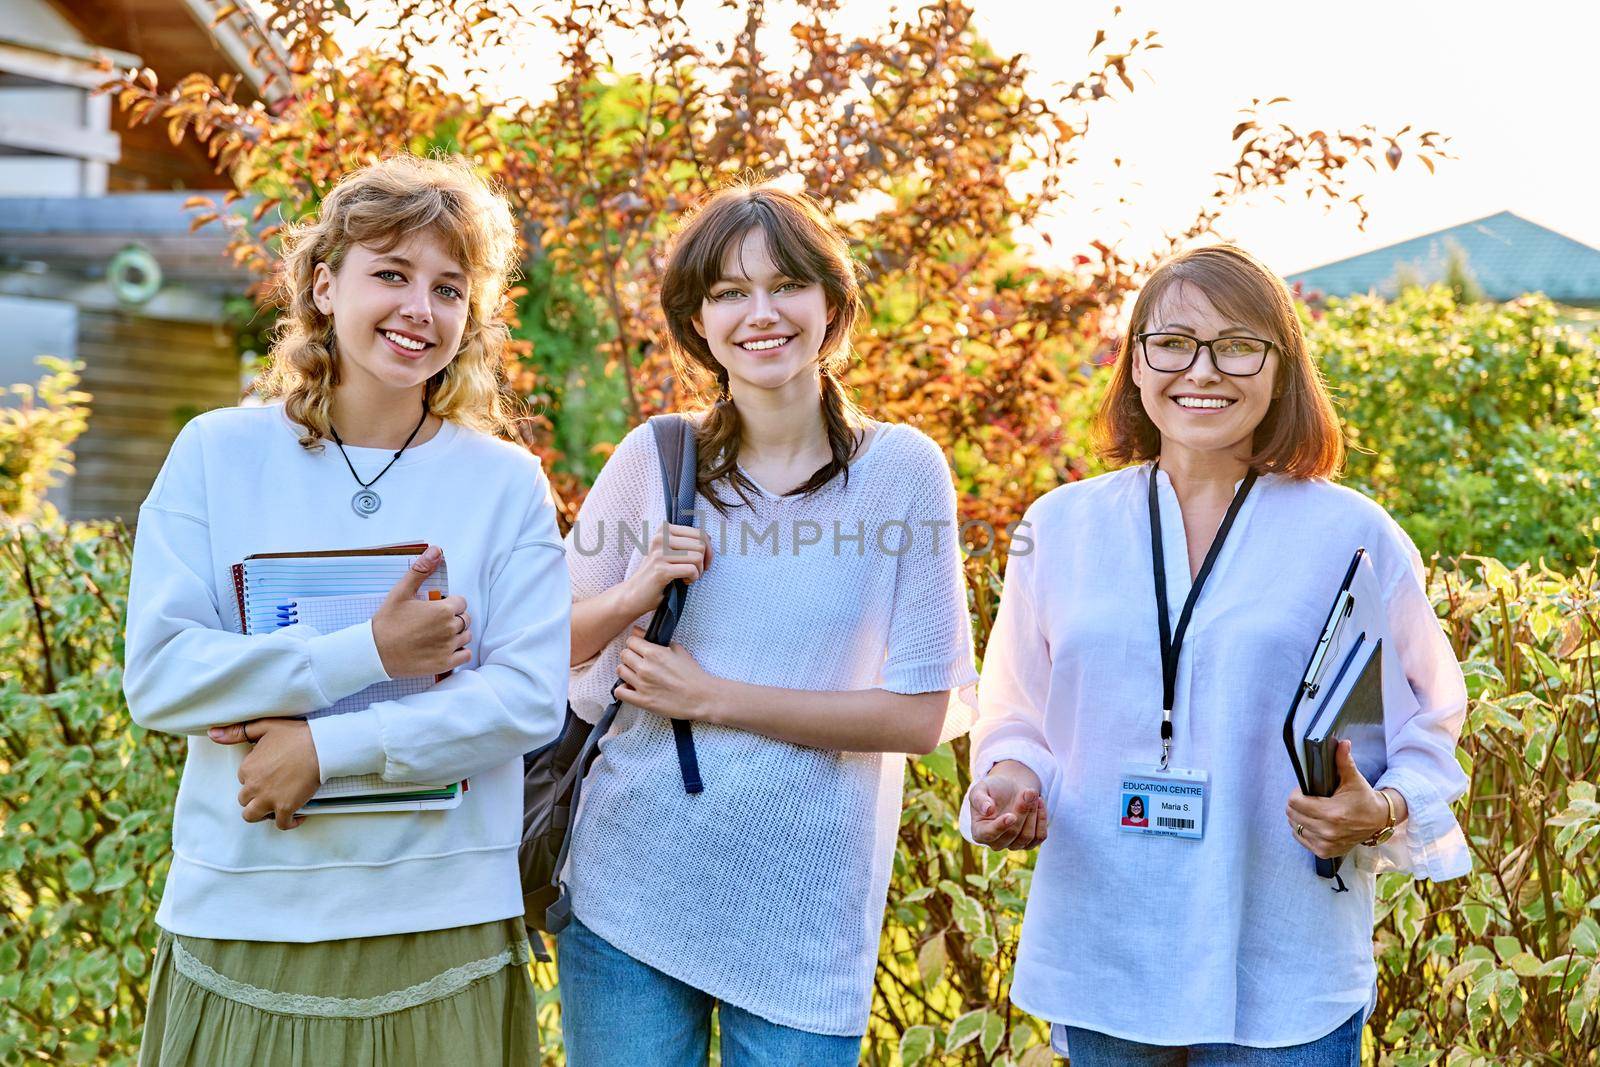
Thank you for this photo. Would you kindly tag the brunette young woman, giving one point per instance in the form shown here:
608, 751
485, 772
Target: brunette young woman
825, 634
1238, 952
356, 939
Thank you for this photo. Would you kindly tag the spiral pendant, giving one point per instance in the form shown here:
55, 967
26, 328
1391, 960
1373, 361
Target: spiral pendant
365, 503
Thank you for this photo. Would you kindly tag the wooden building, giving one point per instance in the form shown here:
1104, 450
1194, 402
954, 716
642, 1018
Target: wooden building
96, 259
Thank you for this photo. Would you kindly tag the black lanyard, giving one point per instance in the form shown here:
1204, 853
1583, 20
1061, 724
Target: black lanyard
1172, 643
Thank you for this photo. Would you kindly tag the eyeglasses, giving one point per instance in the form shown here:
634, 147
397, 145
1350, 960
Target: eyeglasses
1171, 353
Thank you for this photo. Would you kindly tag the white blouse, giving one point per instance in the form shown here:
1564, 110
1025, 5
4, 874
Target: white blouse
1232, 938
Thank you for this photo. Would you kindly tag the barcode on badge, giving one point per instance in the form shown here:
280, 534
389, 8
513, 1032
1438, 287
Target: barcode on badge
1174, 824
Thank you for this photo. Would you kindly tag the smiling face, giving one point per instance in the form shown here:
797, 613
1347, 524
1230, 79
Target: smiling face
398, 315
1201, 408
765, 328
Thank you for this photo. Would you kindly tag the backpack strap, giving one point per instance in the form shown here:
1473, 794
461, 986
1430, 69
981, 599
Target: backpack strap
675, 444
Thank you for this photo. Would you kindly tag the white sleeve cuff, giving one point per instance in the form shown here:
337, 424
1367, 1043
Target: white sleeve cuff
1430, 843
348, 744
1030, 754
346, 661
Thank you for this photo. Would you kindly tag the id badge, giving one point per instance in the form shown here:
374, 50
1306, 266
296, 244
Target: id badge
1165, 803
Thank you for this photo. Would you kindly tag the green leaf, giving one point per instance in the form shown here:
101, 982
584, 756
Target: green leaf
1591, 990
80, 875
965, 1028
994, 1028
1401, 1026
134, 960
1586, 937
1506, 947
916, 1045
1508, 992
115, 880
968, 914
993, 860
1557, 966
931, 960
1478, 1004
1580, 1006
1524, 964
1463, 971
941, 761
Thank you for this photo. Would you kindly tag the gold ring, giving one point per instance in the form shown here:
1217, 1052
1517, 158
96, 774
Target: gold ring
1300, 829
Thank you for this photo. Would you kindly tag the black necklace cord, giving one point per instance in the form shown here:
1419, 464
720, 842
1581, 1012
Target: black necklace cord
1172, 643
367, 485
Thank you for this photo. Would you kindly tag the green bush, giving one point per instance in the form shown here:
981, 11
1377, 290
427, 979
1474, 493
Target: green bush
1496, 968
1501, 967
36, 433
85, 804
1476, 425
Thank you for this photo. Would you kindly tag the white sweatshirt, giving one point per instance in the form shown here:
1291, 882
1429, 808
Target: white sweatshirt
237, 482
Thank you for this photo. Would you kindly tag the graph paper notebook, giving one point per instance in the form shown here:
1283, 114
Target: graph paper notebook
331, 590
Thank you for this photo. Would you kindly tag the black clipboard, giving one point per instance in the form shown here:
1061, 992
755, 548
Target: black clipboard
1340, 695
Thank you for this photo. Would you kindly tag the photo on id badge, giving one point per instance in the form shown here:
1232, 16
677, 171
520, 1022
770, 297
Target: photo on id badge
1133, 810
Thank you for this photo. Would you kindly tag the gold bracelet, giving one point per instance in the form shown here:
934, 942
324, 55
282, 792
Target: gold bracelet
1388, 830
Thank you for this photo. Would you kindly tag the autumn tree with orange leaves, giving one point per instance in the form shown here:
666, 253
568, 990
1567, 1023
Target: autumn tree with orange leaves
937, 151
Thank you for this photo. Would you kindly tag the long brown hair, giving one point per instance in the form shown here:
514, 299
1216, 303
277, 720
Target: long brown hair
807, 247
379, 206
1300, 434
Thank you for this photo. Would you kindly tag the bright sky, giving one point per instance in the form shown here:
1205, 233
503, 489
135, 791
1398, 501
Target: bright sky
1512, 85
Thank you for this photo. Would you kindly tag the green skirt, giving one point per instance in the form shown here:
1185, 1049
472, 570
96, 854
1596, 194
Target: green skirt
445, 996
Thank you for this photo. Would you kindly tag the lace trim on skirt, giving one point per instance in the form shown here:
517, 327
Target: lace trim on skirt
446, 983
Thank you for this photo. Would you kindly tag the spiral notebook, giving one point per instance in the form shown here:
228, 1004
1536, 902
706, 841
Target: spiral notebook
331, 590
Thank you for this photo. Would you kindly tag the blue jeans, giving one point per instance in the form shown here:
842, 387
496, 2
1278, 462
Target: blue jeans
618, 1012
1341, 1048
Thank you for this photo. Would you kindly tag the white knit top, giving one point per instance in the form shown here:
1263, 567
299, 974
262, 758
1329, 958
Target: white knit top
767, 890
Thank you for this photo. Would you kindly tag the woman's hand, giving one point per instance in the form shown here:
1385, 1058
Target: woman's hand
664, 680
279, 774
676, 552
420, 638
1008, 809
1332, 826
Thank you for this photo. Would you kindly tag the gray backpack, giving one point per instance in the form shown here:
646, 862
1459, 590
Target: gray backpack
553, 775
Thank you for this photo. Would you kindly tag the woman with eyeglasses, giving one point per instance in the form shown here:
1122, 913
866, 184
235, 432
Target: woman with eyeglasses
1222, 517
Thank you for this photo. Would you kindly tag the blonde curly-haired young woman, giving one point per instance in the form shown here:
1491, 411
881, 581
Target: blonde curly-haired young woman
363, 939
